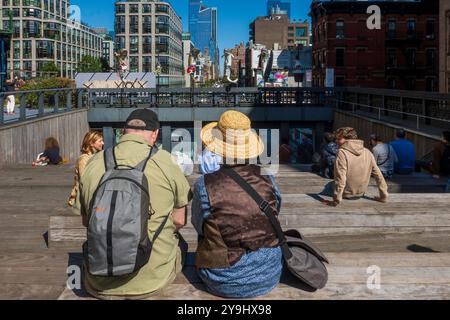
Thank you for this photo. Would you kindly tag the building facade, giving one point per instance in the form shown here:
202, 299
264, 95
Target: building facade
42, 34
400, 55
107, 48
238, 61
203, 30
188, 46
277, 30
279, 7
444, 46
151, 32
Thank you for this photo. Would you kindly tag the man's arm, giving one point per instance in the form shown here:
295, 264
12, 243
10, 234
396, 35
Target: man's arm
340, 176
381, 182
179, 216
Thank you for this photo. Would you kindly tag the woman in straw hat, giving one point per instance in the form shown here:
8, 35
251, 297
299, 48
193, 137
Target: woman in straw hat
238, 255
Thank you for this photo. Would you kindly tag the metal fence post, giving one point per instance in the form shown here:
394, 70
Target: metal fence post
2, 101
41, 104
80, 99
56, 98
23, 107
69, 100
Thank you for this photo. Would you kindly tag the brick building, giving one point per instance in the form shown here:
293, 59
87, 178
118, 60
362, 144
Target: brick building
401, 55
444, 46
278, 29
238, 61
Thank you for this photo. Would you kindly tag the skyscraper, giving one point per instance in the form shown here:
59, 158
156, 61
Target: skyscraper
203, 29
279, 7
151, 33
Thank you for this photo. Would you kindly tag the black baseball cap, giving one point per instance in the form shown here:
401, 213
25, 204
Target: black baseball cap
149, 117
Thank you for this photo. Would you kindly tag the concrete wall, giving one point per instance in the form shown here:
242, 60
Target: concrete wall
20, 143
365, 127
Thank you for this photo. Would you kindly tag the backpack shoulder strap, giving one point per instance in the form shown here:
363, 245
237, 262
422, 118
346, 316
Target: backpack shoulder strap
264, 206
109, 157
141, 166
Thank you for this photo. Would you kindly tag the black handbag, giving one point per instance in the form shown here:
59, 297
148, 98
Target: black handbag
301, 257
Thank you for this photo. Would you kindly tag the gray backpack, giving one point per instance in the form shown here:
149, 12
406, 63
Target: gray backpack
117, 235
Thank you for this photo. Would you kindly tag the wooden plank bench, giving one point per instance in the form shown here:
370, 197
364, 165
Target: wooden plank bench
406, 220
402, 276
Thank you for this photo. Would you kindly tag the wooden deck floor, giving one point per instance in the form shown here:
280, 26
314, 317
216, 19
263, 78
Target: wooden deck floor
33, 263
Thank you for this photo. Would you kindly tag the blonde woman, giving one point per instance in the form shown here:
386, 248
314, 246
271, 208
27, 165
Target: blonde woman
92, 143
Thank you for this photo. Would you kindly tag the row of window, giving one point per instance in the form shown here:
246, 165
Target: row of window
320, 32
163, 45
146, 8
392, 58
55, 31
409, 83
168, 65
46, 50
50, 7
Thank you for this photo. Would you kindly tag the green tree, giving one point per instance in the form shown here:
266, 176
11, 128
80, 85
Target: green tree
90, 64
50, 69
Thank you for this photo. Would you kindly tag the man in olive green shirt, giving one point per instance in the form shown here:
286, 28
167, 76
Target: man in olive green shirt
169, 192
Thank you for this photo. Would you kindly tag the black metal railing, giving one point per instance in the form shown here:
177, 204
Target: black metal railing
185, 97
419, 108
39, 103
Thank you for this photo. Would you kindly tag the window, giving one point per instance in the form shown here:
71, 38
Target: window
392, 29
340, 25
340, 57
147, 24
430, 29
134, 8
134, 24
134, 45
300, 32
392, 58
340, 81
410, 84
411, 57
411, 26
431, 58
430, 85
392, 83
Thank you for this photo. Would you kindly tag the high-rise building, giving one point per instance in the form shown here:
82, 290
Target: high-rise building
279, 7
107, 47
43, 33
203, 30
278, 30
151, 32
444, 46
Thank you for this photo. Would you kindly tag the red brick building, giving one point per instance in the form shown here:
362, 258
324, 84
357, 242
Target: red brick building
238, 61
403, 54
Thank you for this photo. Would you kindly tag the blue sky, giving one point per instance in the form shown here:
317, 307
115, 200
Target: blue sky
234, 15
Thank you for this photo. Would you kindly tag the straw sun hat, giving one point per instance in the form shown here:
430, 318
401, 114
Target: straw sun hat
232, 137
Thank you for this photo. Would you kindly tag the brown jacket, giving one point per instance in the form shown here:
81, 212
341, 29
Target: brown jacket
236, 225
353, 168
